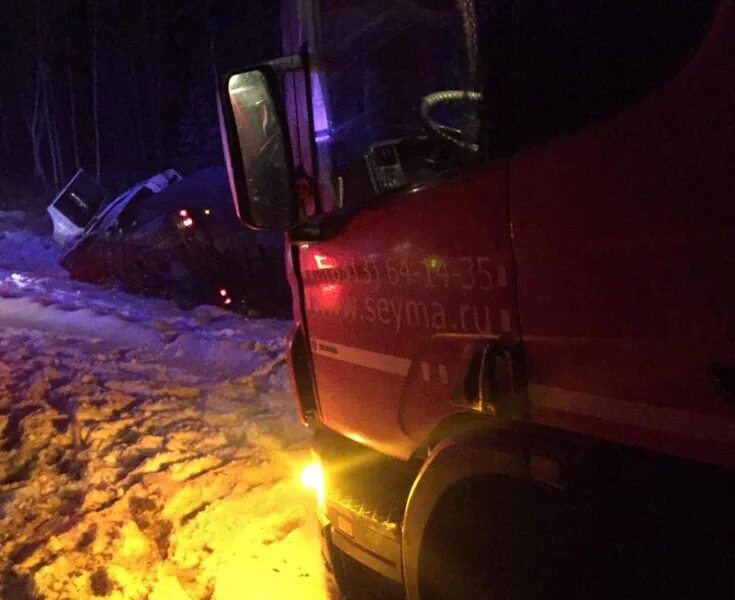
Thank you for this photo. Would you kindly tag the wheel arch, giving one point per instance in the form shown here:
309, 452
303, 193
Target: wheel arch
451, 462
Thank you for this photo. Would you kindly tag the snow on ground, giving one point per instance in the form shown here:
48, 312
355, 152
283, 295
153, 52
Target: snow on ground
39, 293
145, 452
24, 246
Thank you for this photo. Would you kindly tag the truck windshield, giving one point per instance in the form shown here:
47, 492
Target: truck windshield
378, 60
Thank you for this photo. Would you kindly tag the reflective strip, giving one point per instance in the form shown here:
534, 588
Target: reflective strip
364, 358
685, 423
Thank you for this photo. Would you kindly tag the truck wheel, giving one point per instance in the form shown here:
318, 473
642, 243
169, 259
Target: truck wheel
501, 539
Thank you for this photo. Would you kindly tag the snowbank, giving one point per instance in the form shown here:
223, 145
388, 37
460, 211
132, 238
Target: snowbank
24, 247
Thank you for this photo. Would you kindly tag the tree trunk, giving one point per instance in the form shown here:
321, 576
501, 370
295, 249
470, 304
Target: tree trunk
57, 137
5, 122
72, 106
50, 128
150, 86
157, 83
34, 121
35, 131
139, 121
211, 38
95, 93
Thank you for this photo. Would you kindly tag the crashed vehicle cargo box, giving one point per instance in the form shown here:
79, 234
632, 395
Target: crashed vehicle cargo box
74, 207
185, 243
80, 205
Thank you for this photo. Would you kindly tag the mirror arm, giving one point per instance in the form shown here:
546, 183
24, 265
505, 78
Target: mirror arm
287, 64
305, 232
322, 227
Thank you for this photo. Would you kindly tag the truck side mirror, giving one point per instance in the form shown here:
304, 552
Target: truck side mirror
258, 150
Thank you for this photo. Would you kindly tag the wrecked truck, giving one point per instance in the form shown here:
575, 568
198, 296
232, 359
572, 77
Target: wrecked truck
173, 237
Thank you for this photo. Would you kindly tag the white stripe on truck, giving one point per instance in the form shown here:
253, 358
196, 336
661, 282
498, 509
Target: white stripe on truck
387, 363
690, 424
667, 419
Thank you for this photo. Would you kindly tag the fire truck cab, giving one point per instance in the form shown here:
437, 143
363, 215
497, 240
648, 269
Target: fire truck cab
510, 234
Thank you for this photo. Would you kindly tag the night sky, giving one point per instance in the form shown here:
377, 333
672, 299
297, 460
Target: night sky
155, 87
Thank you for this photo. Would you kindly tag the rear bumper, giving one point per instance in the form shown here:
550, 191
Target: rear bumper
327, 546
357, 536
365, 498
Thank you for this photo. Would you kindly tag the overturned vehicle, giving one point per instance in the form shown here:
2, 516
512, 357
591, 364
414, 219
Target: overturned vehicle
172, 237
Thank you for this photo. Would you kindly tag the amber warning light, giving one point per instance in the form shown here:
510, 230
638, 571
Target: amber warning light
312, 478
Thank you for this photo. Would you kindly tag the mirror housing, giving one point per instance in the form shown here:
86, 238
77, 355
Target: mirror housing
258, 149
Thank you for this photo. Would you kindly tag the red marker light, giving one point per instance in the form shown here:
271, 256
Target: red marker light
183, 213
322, 262
223, 292
228, 300
188, 222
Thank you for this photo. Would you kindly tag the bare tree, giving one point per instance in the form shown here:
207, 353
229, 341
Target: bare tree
139, 121
211, 38
5, 128
39, 106
33, 123
157, 82
55, 128
95, 91
48, 117
72, 106
34, 120
151, 75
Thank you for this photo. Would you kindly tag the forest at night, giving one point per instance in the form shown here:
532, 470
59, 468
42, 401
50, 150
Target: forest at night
122, 89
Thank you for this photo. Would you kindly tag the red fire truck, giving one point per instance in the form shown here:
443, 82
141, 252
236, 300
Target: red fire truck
511, 232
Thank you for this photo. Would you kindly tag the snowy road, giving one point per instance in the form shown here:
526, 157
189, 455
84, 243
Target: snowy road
144, 452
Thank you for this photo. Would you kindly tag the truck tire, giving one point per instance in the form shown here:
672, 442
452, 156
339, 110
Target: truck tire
497, 538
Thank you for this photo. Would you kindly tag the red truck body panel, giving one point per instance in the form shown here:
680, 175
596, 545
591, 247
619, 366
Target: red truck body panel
623, 237
379, 294
609, 253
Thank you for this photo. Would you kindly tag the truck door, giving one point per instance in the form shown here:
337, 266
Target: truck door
421, 267
623, 224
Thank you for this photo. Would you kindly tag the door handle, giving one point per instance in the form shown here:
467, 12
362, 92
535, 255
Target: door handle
502, 380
